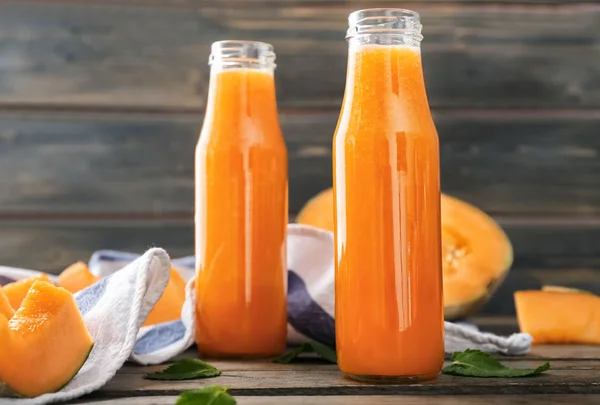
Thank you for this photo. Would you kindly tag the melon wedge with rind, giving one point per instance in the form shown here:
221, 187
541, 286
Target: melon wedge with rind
559, 316
46, 343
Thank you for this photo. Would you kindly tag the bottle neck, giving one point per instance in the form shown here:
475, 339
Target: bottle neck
241, 82
242, 89
385, 70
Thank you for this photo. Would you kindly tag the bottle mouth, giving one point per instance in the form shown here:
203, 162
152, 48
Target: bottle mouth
395, 21
233, 52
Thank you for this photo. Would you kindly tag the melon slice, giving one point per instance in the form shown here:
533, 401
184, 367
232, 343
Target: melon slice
476, 253
44, 344
168, 308
76, 277
15, 292
5, 308
549, 318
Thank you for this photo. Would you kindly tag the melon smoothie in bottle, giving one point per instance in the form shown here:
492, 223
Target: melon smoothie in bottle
241, 209
388, 287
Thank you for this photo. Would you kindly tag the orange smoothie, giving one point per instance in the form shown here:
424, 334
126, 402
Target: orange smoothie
241, 219
389, 307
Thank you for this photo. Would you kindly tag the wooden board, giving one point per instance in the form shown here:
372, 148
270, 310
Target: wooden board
572, 378
316, 382
575, 375
525, 163
141, 55
372, 400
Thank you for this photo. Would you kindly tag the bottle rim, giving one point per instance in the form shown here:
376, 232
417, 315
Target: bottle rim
394, 21
236, 52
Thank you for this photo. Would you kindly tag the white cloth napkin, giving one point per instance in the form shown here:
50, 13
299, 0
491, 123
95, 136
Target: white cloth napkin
115, 308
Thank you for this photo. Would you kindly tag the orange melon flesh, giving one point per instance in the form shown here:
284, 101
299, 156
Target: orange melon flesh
5, 308
168, 308
15, 292
559, 316
476, 256
476, 253
556, 288
46, 342
76, 277
318, 211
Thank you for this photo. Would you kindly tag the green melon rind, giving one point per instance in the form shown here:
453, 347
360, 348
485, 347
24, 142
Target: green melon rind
87, 356
7, 392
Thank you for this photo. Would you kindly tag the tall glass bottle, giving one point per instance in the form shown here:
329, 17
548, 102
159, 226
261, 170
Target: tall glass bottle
241, 208
388, 302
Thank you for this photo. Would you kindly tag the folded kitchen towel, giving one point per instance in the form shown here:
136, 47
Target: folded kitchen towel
115, 308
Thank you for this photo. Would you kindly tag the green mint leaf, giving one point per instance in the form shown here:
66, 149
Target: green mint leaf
185, 369
320, 349
211, 395
475, 363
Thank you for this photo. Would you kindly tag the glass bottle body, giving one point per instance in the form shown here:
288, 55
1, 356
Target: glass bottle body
389, 307
241, 209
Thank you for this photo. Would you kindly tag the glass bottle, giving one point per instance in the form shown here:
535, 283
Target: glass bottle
388, 289
241, 208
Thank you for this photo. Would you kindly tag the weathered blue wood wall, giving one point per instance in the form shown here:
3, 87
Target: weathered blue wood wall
101, 103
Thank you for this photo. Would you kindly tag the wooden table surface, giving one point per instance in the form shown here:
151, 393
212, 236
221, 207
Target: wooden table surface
574, 377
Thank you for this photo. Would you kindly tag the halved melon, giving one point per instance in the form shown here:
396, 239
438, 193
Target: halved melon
476, 256
318, 211
44, 344
76, 277
15, 292
168, 308
5, 308
559, 316
476, 253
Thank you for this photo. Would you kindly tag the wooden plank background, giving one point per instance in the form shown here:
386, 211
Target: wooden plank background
101, 103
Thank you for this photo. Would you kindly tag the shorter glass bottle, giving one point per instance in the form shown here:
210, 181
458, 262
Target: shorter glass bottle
386, 172
241, 208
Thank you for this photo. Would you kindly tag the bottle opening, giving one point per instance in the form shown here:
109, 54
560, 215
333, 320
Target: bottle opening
384, 21
242, 54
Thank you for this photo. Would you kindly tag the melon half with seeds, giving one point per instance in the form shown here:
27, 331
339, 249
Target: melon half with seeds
476, 253
476, 256
44, 344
